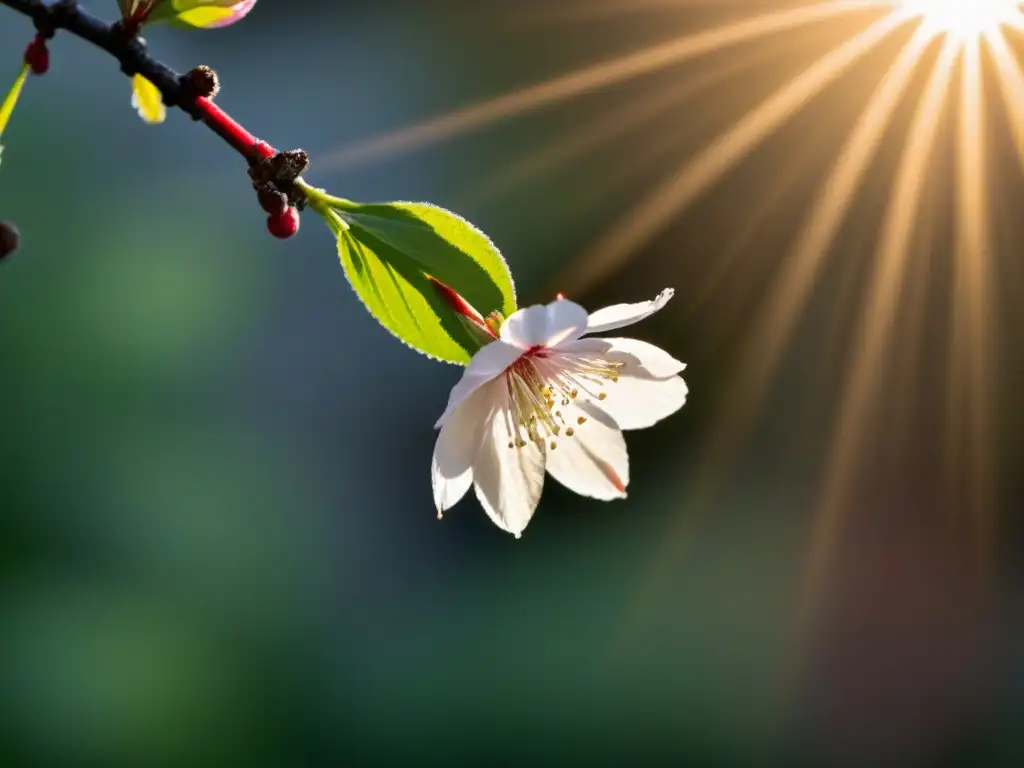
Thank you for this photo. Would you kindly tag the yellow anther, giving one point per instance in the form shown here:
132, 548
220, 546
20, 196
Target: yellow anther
581, 419
602, 395
570, 432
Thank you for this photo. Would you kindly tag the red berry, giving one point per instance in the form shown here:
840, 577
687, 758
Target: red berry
272, 202
37, 56
285, 224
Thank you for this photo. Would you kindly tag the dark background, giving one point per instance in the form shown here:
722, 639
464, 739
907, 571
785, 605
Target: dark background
217, 539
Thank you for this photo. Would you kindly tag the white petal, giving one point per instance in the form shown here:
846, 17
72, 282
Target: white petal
486, 365
451, 469
637, 401
545, 326
637, 355
621, 315
593, 461
508, 481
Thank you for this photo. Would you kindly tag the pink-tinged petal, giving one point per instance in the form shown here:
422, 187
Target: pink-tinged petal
238, 12
545, 326
508, 481
487, 364
636, 354
451, 469
637, 400
592, 459
621, 315
200, 14
525, 327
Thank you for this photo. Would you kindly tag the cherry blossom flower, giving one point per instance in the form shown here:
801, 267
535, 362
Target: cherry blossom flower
541, 397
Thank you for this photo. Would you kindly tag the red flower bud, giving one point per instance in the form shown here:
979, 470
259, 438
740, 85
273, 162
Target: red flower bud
285, 224
461, 307
37, 56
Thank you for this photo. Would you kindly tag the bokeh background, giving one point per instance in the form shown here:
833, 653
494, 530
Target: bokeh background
217, 540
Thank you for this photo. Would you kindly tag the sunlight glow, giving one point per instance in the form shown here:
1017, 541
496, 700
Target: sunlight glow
962, 20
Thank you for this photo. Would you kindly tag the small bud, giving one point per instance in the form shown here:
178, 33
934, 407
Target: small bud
285, 224
466, 312
37, 56
272, 201
287, 166
9, 239
203, 82
455, 301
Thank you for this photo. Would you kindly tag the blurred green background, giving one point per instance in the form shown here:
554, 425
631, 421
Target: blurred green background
217, 540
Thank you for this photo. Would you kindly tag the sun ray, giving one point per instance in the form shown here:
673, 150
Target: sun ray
624, 119
970, 393
878, 316
760, 360
649, 217
1011, 84
792, 288
586, 80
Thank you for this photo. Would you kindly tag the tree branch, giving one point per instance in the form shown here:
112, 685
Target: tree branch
134, 59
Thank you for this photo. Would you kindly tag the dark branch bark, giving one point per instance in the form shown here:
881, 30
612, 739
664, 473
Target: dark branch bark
134, 59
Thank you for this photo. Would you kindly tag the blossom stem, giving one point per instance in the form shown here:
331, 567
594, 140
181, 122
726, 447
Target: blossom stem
131, 53
229, 129
323, 199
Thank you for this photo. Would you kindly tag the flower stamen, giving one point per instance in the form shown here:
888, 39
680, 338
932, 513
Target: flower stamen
543, 381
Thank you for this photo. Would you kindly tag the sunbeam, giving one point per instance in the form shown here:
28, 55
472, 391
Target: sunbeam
585, 80
872, 339
639, 225
970, 401
1011, 83
631, 116
798, 273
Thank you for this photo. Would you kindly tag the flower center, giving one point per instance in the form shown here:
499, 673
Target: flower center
544, 386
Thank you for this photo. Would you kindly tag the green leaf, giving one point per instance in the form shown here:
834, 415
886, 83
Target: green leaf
388, 251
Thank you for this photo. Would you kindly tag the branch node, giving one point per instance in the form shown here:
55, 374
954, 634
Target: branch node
200, 82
